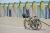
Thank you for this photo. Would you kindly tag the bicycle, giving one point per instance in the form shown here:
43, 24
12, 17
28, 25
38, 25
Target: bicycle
34, 24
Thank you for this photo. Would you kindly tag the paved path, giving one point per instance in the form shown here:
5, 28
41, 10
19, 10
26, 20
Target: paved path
15, 25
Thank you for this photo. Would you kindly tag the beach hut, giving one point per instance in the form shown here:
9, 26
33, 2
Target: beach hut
42, 9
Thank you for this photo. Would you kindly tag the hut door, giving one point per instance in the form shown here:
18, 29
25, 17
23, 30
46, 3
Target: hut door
10, 13
45, 12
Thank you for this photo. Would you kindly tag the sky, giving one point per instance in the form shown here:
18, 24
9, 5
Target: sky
11, 1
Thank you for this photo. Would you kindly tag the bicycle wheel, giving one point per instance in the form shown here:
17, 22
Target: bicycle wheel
39, 25
36, 25
26, 24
